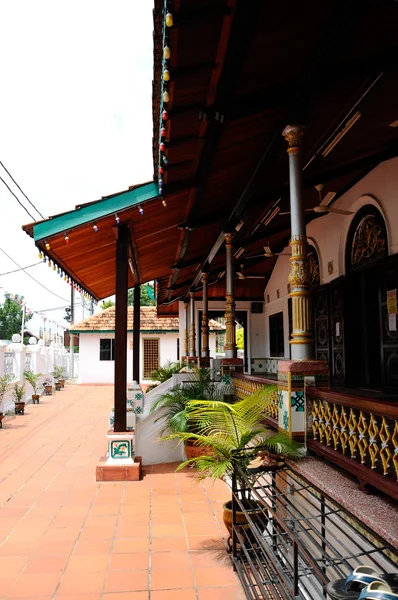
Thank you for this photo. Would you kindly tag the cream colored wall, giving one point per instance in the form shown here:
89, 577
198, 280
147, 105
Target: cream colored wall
328, 235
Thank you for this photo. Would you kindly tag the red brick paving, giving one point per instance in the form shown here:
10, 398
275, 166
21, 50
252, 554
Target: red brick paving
65, 536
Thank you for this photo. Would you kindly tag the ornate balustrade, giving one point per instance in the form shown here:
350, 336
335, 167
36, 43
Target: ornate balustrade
245, 385
359, 434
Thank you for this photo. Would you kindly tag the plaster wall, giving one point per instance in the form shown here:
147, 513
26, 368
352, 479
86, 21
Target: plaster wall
328, 235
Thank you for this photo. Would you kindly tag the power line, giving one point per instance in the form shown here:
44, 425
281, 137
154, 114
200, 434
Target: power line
29, 275
17, 199
21, 269
20, 189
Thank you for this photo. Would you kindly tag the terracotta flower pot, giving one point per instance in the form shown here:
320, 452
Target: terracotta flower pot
48, 389
252, 507
1, 420
62, 382
192, 450
58, 386
19, 408
35, 398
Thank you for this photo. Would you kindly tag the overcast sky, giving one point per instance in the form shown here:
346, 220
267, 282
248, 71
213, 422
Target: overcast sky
75, 118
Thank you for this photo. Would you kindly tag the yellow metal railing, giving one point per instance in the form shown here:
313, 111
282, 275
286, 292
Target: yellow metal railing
246, 385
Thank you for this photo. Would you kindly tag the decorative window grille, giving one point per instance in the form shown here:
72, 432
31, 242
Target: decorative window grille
28, 362
8, 362
151, 356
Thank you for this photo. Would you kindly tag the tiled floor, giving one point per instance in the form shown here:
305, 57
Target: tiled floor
62, 535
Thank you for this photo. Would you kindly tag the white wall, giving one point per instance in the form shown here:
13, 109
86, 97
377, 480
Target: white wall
328, 235
92, 370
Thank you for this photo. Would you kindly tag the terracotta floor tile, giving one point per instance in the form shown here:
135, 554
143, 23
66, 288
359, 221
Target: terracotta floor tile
171, 579
17, 549
141, 519
170, 560
5, 585
187, 594
126, 596
125, 581
77, 597
166, 519
129, 562
46, 564
85, 563
97, 533
92, 547
168, 531
211, 559
34, 585
230, 593
91, 583
215, 577
203, 542
10, 565
132, 531
51, 548
131, 545
208, 528
169, 544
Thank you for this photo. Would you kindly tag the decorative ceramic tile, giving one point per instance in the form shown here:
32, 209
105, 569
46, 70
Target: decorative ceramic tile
280, 399
227, 379
298, 401
120, 449
286, 420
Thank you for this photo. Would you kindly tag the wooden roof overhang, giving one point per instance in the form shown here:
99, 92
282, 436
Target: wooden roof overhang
240, 72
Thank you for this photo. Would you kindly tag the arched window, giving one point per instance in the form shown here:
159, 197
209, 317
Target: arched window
313, 265
367, 239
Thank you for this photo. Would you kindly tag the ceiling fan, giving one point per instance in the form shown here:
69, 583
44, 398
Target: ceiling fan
324, 208
269, 254
241, 274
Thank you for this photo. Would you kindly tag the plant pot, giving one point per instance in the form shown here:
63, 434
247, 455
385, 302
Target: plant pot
1, 420
48, 390
192, 450
57, 386
252, 507
35, 398
19, 408
62, 382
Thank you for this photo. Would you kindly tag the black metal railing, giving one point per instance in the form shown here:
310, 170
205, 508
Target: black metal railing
296, 539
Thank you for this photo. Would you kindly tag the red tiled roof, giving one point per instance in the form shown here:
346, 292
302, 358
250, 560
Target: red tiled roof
105, 321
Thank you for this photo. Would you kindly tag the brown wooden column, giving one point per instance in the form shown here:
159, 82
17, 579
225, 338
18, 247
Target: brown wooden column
122, 247
136, 333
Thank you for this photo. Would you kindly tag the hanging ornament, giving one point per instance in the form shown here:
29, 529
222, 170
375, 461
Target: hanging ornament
163, 132
162, 147
166, 96
141, 210
117, 219
166, 75
165, 115
164, 203
161, 170
160, 182
95, 227
169, 20
66, 238
48, 247
54, 268
41, 255
166, 52
160, 191
165, 161
49, 263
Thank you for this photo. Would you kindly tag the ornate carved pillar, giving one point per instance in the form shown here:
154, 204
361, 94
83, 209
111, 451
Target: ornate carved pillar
230, 339
299, 278
192, 335
186, 330
205, 318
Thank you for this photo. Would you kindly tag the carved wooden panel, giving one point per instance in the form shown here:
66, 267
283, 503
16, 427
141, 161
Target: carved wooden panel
320, 301
338, 370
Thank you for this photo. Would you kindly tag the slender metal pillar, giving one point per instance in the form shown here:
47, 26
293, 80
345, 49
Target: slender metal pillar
186, 330
299, 278
230, 335
120, 392
205, 318
192, 335
136, 333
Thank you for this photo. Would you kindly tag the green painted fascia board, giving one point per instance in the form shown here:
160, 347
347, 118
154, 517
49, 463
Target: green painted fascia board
128, 331
94, 211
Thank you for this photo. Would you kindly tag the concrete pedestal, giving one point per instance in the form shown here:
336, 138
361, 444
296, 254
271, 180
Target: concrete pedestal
120, 464
293, 378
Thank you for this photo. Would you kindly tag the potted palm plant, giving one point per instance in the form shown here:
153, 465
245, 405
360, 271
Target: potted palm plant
239, 441
33, 379
174, 407
18, 395
48, 386
5, 381
58, 374
62, 373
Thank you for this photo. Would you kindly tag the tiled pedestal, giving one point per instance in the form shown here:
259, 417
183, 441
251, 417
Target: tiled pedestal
293, 377
229, 366
120, 463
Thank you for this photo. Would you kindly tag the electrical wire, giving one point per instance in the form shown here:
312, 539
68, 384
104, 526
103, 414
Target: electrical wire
17, 199
21, 269
29, 275
21, 190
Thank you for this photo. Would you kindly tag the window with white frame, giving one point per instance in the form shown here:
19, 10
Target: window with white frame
107, 349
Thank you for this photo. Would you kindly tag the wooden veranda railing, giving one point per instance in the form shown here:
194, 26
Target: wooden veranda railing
358, 434
245, 385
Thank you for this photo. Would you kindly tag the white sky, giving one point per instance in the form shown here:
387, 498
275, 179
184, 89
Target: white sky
75, 118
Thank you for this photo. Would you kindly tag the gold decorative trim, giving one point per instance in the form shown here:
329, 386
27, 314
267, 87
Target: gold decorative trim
293, 134
367, 240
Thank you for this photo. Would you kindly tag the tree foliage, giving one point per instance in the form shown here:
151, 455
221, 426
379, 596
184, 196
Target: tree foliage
147, 296
240, 339
107, 304
11, 316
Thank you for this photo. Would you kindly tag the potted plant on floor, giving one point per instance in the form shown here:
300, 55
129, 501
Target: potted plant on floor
33, 379
173, 406
58, 374
48, 386
62, 373
18, 395
5, 381
239, 441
